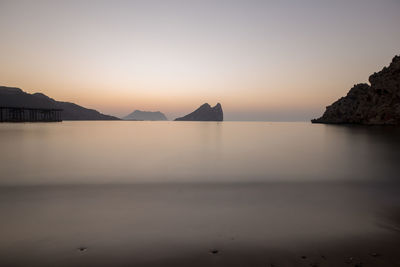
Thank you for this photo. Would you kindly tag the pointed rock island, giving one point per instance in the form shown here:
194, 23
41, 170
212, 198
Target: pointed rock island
139, 115
375, 104
205, 113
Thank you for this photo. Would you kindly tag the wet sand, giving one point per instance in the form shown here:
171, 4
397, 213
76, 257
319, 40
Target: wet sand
225, 224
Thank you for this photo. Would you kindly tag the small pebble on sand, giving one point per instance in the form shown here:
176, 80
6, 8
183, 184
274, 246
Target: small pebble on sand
214, 251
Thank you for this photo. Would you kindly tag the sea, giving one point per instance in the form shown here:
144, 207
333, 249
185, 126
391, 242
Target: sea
137, 193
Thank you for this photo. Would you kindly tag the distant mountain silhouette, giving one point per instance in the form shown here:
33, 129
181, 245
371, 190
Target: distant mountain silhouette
375, 104
139, 115
205, 113
15, 97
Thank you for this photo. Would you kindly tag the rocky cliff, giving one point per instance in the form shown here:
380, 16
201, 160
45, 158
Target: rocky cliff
205, 113
139, 115
15, 97
375, 104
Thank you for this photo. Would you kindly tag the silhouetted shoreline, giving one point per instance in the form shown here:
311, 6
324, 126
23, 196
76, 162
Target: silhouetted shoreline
15, 97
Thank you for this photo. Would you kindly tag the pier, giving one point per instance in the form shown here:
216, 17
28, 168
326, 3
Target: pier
22, 114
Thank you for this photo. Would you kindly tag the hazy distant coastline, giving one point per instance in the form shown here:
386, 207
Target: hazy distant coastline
139, 115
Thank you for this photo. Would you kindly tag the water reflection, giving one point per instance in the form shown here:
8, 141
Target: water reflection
132, 152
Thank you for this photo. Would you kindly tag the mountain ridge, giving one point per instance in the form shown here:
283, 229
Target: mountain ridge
16, 97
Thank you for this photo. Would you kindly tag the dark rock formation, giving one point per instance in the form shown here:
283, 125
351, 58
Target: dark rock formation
15, 97
375, 104
205, 113
139, 115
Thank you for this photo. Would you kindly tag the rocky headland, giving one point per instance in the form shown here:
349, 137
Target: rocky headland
205, 113
374, 104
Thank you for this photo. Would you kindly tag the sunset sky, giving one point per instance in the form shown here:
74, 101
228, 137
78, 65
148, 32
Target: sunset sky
262, 60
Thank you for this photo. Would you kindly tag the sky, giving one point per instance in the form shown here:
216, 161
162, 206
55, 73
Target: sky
262, 60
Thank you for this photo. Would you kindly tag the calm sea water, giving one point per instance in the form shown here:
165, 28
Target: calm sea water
143, 152
151, 193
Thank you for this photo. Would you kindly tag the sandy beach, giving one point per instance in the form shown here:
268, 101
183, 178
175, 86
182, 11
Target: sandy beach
276, 224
